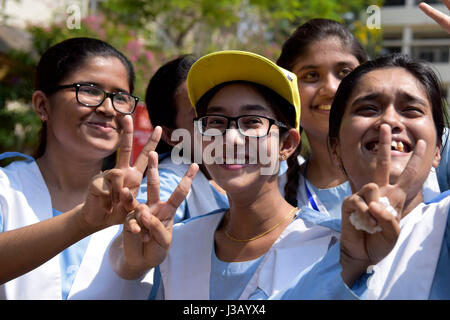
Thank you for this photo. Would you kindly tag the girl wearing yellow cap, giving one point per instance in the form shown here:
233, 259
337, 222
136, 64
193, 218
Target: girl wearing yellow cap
262, 242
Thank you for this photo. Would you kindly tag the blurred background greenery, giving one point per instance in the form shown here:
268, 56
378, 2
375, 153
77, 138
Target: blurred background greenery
150, 32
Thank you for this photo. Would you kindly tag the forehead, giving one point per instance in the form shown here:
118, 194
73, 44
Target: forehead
104, 71
239, 98
389, 82
327, 51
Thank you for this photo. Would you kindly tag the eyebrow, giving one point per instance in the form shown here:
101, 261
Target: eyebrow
314, 66
245, 107
100, 86
367, 97
375, 96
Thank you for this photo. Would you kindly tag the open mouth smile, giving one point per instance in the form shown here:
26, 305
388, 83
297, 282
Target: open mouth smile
396, 145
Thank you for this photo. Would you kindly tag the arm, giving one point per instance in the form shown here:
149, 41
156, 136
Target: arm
26, 248
108, 202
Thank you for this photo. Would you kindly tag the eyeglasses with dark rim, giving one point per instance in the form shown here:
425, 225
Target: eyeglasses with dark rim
248, 125
90, 95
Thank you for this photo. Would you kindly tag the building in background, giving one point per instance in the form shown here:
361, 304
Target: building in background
408, 30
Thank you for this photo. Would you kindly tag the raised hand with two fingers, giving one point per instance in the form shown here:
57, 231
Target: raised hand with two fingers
147, 234
111, 194
370, 217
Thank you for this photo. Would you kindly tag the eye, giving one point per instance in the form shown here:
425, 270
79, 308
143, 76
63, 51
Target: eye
413, 111
215, 121
252, 121
89, 90
366, 110
344, 72
311, 76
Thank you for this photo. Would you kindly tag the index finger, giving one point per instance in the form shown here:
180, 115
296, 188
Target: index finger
413, 167
126, 142
441, 18
383, 156
152, 142
153, 185
183, 188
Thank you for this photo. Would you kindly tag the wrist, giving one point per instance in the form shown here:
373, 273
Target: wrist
82, 224
352, 269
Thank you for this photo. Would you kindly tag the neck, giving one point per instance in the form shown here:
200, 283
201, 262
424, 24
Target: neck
322, 171
67, 177
251, 215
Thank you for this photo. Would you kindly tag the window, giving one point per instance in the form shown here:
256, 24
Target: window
389, 50
439, 54
429, 1
394, 3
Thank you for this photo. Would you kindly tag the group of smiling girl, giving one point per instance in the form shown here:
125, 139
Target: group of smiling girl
365, 216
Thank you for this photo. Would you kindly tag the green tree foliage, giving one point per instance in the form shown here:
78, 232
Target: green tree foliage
149, 32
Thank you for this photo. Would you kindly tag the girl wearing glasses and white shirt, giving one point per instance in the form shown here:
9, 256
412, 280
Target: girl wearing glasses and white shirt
49, 213
248, 108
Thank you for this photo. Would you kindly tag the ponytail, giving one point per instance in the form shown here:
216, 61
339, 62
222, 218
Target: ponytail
292, 175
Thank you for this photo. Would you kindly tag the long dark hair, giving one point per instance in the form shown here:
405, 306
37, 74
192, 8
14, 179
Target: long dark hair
64, 58
293, 49
420, 70
161, 93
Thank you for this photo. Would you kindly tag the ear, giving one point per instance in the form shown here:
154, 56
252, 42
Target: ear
289, 143
336, 154
437, 155
166, 136
41, 105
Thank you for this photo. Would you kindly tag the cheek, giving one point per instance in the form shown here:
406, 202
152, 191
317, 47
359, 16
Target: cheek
307, 92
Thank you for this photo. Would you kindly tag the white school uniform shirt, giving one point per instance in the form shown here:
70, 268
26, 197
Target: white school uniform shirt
407, 272
185, 274
416, 268
24, 200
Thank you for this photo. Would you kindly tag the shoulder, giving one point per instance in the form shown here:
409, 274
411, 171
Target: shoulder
167, 164
443, 197
17, 170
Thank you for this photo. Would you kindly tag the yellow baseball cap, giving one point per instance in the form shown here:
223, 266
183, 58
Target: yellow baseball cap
232, 65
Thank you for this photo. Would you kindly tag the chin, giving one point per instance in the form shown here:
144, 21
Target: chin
100, 148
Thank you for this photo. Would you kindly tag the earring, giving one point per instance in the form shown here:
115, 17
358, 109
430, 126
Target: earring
282, 157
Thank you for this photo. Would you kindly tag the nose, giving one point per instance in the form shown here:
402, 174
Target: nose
391, 117
106, 107
233, 136
329, 86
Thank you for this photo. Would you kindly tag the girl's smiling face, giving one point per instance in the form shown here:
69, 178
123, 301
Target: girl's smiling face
88, 131
241, 168
319, 73
390, 96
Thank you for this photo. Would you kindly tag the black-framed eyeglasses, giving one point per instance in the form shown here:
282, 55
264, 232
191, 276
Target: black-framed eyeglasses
248, 125
90, 95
